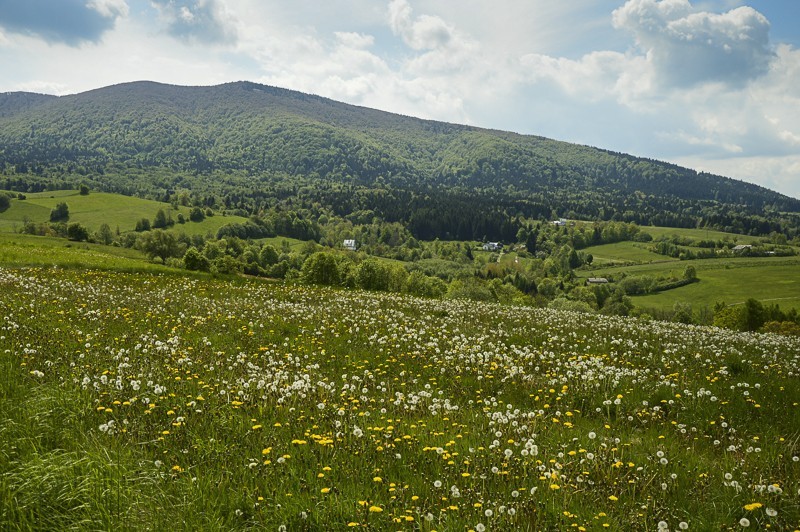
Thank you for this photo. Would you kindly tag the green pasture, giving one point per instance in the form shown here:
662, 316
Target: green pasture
777, 283
698, 234
178, 402
96, 208
18, 250
624, 252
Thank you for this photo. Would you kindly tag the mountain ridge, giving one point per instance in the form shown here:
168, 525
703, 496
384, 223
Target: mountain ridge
260, 131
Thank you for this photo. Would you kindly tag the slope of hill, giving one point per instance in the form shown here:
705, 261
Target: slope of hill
240, 139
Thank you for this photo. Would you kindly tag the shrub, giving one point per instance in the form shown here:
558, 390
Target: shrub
60, 213
77, 232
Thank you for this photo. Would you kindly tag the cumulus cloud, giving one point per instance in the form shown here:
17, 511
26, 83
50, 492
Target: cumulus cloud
688, 47
425, 32
109, 8
203, 21
71, 22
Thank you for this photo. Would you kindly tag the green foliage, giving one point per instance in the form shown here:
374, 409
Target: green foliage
193, 260
104, 235
159, 243
197, 214
84, 190
373, 274
162, 220
77, 232
142, 225
60, 213
321, 268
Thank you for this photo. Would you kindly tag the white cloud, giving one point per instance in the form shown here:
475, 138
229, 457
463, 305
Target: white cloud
425, 32
109, 8
198, 21
687, 48
665, 79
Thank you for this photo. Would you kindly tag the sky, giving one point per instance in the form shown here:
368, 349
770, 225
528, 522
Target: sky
709, 84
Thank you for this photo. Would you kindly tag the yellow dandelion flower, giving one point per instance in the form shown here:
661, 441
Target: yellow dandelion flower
375, 509
325, 490
753, 506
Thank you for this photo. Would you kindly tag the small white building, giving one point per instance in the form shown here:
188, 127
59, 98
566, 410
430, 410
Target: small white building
492, 246
596, 280
349, 244
561, 222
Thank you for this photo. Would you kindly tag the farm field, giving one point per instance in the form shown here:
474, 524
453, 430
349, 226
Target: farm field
97, 208
773, 284
732, 280
153, 401
698, 234
624, 252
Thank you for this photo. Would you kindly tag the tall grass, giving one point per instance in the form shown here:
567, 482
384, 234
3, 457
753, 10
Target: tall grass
169, 402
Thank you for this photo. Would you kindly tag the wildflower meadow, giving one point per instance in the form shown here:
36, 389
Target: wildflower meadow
167, 401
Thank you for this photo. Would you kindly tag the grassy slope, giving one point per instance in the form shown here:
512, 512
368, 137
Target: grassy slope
623, 252
699, 234
28, 250
245, 405
97, 208
768, 282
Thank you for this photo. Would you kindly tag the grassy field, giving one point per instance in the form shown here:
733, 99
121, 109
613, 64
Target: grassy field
624, 253
767, 279
163, 401
769, 283
28, 250
698, 234
93, 210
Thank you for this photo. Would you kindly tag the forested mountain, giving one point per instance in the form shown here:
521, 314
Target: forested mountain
247, 146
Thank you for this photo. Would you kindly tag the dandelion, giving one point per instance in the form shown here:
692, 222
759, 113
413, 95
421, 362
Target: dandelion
683, 525
744, 522
325, 490
753, 506
375, 509
592, 435
437, 483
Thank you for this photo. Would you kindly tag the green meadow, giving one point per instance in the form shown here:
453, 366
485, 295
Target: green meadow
19, 250
96, 208
624, 253
773, 283
151, 402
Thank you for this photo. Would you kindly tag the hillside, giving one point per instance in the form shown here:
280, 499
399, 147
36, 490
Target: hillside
242, 141
242, 405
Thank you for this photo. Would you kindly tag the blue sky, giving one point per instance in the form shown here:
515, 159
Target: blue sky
709, 84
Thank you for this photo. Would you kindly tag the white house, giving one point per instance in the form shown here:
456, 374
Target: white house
492, 246
349, 244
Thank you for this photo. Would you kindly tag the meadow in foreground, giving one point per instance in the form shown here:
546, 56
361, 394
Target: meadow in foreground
167, 402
